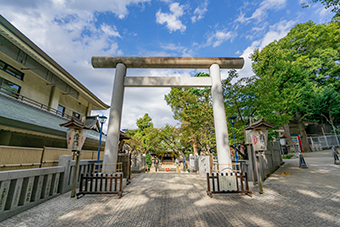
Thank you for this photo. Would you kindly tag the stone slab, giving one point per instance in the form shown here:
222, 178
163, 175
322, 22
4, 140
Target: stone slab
204, 165
167, 82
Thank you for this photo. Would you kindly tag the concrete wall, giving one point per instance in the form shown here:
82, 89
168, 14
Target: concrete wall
137, 163
72, 104
35, 88
40, 90
271, 159
54, 97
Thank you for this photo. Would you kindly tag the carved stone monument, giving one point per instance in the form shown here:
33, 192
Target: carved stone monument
204, 165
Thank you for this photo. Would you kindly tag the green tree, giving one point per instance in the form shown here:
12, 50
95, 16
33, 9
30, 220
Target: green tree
192, 107
240, 101
148, 160
170, 139
288, 69
327, 104
143, 139
144, 122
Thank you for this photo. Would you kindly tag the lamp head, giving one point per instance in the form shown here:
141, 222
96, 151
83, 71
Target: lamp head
232, 119
102, 119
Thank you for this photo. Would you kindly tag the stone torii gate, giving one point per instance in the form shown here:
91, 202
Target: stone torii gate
121, 81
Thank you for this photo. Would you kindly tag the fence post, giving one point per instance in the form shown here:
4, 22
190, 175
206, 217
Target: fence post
319, 142
251, 156
323, 131
42, 157
336, 137
4, 188
65, 160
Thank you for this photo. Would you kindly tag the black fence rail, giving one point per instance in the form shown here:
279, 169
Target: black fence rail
100, 184
32, 102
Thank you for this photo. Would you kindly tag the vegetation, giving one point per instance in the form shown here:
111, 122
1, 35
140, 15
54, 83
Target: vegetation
289, 156
148, 139
297, 71
193, 108
148, 160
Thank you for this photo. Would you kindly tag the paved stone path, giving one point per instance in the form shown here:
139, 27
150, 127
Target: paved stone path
173, 199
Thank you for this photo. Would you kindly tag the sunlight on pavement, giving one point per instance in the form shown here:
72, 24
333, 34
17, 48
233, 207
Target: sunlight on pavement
309, 193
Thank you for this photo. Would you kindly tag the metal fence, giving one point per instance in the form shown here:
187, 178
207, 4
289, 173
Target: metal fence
32, 102
323, 142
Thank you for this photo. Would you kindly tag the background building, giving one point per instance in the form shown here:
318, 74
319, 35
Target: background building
37, 94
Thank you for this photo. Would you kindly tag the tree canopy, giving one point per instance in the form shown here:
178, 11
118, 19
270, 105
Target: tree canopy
193, 108
293, 68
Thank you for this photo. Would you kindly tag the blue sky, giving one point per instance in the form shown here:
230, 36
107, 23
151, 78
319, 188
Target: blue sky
72, 31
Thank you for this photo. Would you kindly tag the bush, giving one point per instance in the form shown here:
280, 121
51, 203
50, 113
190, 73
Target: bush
289, 156
148, 160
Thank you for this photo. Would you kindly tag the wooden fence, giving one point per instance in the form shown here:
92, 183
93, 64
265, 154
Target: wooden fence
100, 184
228, 182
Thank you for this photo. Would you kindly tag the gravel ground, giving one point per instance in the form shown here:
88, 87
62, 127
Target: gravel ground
175, 199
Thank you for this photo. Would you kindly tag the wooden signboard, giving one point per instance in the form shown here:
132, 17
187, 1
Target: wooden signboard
259, 139
75, 138
227, 183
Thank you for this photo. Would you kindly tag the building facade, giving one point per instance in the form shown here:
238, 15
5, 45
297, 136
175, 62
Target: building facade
37, 94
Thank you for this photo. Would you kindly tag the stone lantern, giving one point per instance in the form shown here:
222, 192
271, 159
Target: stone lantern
259, 136
283, 143
76, 135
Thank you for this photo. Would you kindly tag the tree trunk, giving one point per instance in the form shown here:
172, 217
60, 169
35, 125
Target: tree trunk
331, 122
287, 133
302, 133
194, 145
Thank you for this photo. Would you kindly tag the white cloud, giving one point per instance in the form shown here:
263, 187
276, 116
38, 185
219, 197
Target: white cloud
323, 13
200, 11
172, 19
117, 7
241, 18
262, 11
172, 46
153, 104
110, 30
179, 49
219, 37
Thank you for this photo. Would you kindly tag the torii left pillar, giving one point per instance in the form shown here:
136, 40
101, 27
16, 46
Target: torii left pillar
113, 132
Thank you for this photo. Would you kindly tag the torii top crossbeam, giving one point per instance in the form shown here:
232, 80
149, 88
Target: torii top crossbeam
168, 62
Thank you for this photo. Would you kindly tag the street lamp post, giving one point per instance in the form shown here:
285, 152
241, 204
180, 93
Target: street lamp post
233, 121
102, 120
